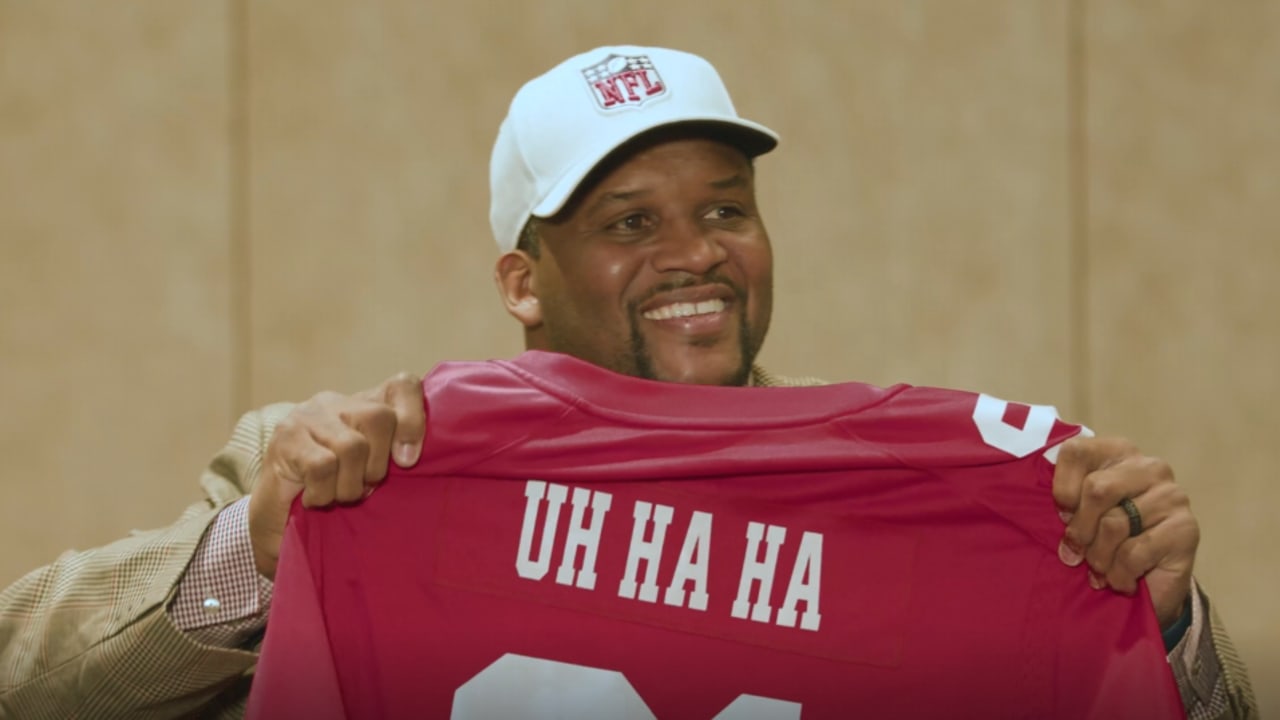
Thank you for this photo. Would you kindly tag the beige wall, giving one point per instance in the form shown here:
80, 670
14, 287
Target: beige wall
1182, 236
115, 271
205, 207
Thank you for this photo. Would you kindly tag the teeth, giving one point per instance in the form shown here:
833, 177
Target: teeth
685, 309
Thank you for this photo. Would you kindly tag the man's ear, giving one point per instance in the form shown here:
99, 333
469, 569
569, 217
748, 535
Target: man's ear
516, 281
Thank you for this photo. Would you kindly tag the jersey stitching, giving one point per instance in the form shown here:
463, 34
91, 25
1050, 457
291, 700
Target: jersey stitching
626, 417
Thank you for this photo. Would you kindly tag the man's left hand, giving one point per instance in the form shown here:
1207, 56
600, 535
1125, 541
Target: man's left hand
1093, 477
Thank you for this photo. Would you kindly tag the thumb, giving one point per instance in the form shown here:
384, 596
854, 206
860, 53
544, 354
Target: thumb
403, 394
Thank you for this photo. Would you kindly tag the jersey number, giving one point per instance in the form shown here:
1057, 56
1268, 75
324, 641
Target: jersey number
520, 686
1020, 442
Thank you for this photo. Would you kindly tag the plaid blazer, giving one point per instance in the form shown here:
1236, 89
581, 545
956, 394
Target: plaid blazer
89, 637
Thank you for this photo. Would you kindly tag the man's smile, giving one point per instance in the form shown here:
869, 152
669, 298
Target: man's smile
685, 309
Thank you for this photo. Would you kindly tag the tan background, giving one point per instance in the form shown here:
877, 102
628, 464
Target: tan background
208, 206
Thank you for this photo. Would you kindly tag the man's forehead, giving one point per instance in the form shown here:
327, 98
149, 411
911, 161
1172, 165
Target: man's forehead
712, 155
616, 177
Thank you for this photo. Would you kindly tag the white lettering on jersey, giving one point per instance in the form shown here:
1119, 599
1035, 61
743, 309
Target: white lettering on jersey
530, 687
650, 552
754, 707
988, 415
808, 565
534, 492
688, 586
581, 536
517, 686
692, 565
761, 571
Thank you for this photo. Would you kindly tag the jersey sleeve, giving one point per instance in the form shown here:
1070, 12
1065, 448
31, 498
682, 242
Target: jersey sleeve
296, 675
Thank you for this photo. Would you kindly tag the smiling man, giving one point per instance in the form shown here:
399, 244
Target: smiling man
625, 204
661, 269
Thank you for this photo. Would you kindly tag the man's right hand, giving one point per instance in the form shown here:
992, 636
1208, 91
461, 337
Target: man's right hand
333, 448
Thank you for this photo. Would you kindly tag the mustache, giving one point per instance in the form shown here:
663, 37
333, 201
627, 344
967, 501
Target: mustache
688, 282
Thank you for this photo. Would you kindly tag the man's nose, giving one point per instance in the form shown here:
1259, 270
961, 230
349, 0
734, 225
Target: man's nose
688, 246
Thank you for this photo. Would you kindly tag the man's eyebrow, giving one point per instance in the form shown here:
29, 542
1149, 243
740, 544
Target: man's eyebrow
620, 196
737, 180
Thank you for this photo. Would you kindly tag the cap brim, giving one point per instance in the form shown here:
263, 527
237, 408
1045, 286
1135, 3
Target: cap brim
752, 138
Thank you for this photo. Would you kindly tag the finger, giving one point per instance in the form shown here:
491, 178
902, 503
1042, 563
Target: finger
1103, 490
1144, 553
375, 422
403, 393
316, 467
1106, 555
351, 451
1080, 456
1113, 530
1133, 559
289, 443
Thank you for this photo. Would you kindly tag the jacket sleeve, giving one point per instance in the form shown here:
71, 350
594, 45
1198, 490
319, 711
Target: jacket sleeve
88, 635
1212, 679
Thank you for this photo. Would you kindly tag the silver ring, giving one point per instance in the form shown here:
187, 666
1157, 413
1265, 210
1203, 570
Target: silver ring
1135, 517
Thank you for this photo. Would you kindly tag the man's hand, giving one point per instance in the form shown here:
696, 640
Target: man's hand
1093, 476
333, 448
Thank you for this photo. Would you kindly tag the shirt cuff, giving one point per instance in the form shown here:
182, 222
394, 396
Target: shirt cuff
222, 600
1193, 660
1178, 629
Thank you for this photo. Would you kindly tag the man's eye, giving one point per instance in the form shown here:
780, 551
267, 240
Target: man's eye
630, 223
726, 212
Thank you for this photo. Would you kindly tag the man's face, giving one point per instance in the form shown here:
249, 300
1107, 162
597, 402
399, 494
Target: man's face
662, 269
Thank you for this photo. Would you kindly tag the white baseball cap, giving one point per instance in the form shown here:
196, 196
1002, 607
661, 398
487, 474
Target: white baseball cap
565, 122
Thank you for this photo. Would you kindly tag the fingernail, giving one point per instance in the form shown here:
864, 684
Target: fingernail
1066, 516
368, 490
1096, 581
1069, 554
404, 454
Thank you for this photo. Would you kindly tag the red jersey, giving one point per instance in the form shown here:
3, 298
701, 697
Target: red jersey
579, 544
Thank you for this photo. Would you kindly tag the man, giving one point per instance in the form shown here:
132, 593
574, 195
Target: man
623, 199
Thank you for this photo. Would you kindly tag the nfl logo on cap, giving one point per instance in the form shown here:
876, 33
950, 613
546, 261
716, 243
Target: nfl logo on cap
621, 81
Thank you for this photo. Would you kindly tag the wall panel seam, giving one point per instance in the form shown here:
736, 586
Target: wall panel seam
238, 147
1079, 288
